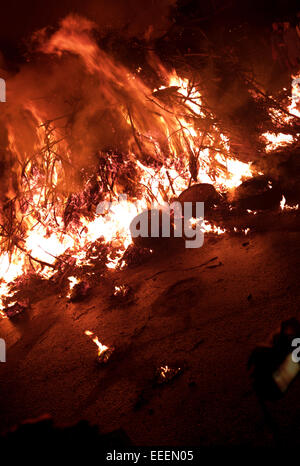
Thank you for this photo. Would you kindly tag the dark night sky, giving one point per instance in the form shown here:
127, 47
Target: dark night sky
20, 18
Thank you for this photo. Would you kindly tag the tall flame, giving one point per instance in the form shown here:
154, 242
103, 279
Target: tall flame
159, 136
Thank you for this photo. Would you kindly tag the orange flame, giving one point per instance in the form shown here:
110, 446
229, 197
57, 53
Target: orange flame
101, 348
171, 138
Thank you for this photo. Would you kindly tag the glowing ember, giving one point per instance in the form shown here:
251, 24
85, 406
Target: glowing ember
164, 371
121, 290
165, 374
206, 226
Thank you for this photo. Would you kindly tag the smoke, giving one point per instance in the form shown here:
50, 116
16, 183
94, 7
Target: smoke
126, 17
87, 102
132, 17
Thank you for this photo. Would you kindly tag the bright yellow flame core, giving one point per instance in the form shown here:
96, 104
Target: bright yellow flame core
114, 226
101, 348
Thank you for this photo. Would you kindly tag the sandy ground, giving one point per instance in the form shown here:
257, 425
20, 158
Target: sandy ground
202, 310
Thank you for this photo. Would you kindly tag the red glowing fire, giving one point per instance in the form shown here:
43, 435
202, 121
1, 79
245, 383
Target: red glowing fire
158, 134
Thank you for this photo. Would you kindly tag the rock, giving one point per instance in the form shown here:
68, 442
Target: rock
80, 291
258, 193
202, 192
135, 255
149, 229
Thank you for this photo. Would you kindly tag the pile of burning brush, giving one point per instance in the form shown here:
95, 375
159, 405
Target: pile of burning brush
96, 131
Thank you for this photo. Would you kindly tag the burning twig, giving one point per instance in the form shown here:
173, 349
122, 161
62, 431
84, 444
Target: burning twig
43, 263
171, 183
104, 352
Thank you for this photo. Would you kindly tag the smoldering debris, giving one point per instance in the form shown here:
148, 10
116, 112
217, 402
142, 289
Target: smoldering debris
122, 295
166, 374
16, 308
